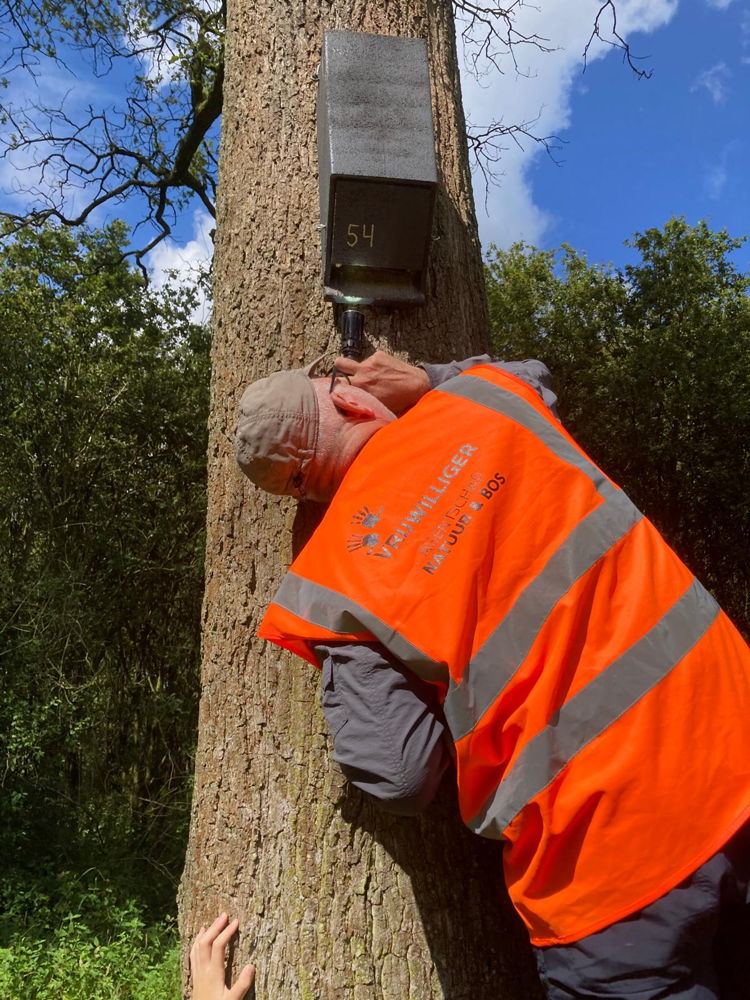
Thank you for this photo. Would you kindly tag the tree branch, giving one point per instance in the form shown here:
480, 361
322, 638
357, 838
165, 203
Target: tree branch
491, 34
111, 156
615, 40
486, 146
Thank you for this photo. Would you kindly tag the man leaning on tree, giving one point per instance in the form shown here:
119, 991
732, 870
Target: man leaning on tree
479, 588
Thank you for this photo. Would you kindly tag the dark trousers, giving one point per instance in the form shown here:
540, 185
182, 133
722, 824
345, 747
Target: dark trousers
691, 944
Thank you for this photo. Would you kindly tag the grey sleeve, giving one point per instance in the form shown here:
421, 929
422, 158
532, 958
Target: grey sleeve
386, 724
534, 373
438, 374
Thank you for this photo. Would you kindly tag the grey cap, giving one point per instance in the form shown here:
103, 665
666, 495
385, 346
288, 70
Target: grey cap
277, 430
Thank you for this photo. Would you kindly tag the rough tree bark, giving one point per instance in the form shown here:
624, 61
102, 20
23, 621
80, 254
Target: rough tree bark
335, 899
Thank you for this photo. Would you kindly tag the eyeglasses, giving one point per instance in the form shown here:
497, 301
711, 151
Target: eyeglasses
335, 373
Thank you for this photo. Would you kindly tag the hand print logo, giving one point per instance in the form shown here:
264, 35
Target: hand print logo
367, 519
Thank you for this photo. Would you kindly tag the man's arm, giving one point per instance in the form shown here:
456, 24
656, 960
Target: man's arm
387, 726
400, 385
532, 372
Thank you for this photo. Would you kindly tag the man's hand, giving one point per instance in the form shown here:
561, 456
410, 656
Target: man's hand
395, 383
207, 963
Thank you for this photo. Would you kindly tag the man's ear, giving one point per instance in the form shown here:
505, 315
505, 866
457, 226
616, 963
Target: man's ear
353, 402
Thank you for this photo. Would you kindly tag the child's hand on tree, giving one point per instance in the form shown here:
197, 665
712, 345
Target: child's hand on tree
207, 958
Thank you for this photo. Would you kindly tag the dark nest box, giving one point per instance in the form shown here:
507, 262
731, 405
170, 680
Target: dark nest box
378, 177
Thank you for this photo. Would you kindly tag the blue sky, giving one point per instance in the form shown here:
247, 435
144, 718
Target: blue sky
635, 152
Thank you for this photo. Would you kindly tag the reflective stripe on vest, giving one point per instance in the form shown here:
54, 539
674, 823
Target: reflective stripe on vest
607, 697
493, 666
341, 616
515, 408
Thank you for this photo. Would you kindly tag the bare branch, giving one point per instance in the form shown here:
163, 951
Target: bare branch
156, 146
488, 143
490, 35
615, 40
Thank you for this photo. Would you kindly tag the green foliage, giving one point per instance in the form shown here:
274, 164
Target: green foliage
652, 367
103, 407
70, 938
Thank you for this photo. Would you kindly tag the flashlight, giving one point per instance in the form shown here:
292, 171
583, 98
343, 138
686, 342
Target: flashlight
353, 334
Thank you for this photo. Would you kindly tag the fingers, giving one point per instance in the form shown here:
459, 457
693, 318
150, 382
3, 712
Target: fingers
194, 947
397, 384
207, 956
207, 937
221, 940
375, 364
347, 366
244, 982
209, 945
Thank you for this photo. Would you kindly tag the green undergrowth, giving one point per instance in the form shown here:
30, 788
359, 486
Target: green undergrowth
73, 937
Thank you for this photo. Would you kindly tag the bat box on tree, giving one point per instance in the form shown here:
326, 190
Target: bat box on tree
378, 177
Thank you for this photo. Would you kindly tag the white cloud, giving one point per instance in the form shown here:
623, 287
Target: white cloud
543, 87
745, 36
714, 80
719, 4
717, 174
716, 179
34, 176
168, 260
161, 65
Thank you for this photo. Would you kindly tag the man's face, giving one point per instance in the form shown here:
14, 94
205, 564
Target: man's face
348, 417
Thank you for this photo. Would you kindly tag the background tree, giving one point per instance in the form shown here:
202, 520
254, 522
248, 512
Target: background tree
652, 366
337, 900
103, 401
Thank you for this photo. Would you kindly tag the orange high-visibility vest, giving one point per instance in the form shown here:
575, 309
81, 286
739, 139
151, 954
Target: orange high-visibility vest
597, 695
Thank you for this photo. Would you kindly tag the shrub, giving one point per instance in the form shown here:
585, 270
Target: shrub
70, 938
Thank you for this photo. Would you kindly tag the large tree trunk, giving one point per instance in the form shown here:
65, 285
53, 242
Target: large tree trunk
335, 899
